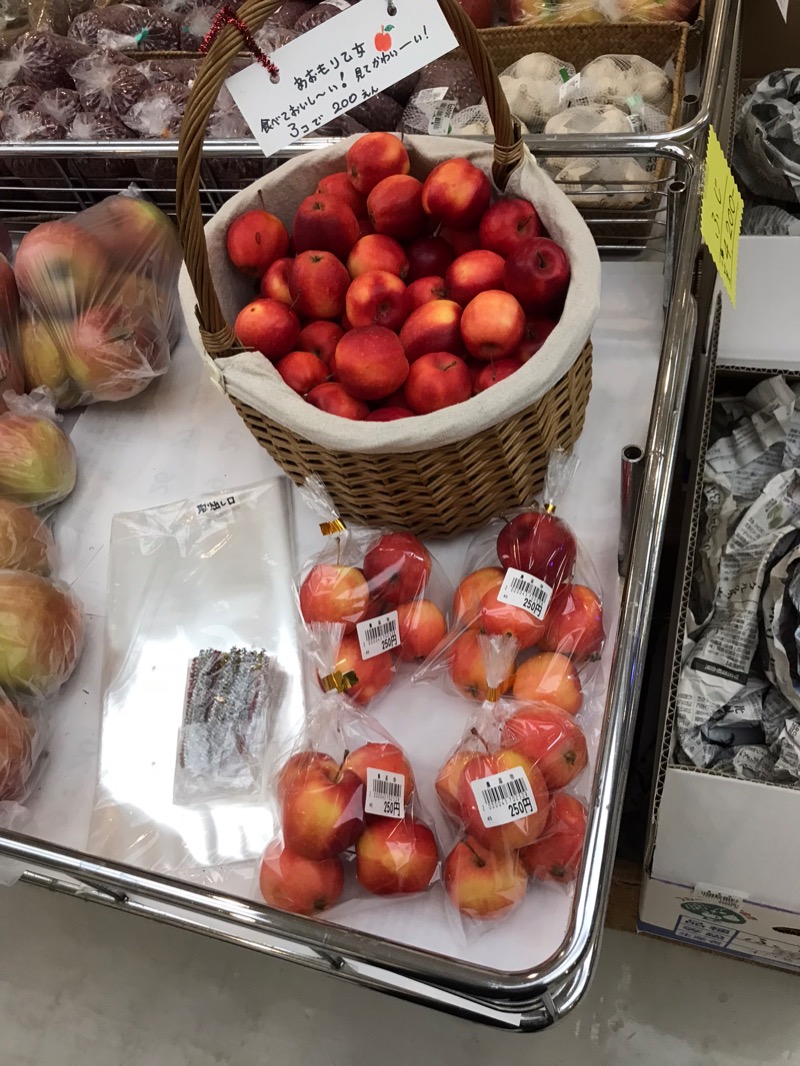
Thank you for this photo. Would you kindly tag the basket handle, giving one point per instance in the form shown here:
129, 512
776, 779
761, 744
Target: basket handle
218, 337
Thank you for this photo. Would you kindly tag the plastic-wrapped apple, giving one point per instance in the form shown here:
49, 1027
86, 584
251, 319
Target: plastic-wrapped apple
293, 883
550, 677
551, 739
467, 600
16, 736
467, 667
11, 376
59, 266
397, 567
556, 855
37, 460
41, 632
522, 830
43, 363
482, 883
113, 353
575, 623
422, 626
322, 810
448, 782
332, 593
540, 544
373, 674
381, 756
26, 543
396, 857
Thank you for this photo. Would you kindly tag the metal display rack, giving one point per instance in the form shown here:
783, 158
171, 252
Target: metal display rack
528, 1000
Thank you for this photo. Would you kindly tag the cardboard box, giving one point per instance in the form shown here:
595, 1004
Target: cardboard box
722, 862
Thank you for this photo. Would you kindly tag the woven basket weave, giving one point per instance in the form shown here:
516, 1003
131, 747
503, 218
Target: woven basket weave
435, 491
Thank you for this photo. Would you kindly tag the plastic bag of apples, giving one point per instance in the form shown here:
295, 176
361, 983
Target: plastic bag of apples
99, 300
526, 577
502, 791
384, 587
346, 791
11, 377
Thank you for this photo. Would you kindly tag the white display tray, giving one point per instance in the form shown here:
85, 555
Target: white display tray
183, 438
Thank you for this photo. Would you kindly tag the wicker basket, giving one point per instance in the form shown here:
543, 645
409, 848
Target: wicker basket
434, 491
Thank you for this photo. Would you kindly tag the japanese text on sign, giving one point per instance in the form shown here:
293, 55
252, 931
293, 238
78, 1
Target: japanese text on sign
721, 215
342, 63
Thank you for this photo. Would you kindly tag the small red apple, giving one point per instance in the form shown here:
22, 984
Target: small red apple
482, 883
492, 325
397, 567
269, 327
370, 362
331, 593
275, 283
334, 399
322, 813
556, 855
425, 291
422, 627
508, 224
505, 620
396, 857
467, 600
434, 327
540, 544
301, 886
381, 756
318, 283
537, 330
550, 677
376, 251
302, 371
435, 381
537, 273
338, 186
575, 623
429, 256
255, 240
498, 370
551, 739
320, 338
395, 207
377, 298
373, 674
373, 157
467, 668
474, 273
325, 224
448, 782
456, 194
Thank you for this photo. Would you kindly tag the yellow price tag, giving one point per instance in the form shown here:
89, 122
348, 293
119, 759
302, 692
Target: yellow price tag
721, 214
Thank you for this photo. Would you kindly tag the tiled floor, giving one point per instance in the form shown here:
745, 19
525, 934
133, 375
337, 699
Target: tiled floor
85, 986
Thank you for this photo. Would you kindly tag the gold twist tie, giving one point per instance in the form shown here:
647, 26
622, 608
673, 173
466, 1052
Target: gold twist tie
492, 694
550, 508
329, 528
339, 682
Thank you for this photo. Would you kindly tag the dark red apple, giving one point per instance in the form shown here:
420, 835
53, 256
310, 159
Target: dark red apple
537, 273
540, 544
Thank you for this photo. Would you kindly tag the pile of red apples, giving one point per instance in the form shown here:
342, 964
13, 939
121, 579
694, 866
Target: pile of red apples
322, 816
395, 297
394, 576
486, 874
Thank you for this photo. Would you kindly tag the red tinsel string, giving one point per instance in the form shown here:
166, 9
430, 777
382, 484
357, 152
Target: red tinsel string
226, 17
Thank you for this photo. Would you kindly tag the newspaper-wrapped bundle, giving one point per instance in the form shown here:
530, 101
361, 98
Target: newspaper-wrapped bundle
738, 700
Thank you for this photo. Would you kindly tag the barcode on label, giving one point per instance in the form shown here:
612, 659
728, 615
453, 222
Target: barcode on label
385, 793
526, 591
440, 122
430, 96
377, 635
504, 797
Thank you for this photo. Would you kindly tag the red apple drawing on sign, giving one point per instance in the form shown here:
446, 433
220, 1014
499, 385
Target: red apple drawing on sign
383, 41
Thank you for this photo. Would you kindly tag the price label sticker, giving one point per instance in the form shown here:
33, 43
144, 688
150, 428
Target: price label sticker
568, 88
520, 589
386, 793
504, 797
377, 635
721, 214
342, 63
439, 124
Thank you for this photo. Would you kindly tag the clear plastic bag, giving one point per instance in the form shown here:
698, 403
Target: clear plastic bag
444, 88
128, 27
497, 800
385, 588
100, 126
11, 376
345, 788
526, 578
109, 82
62, 105
41, 60
620, 79
183, 776
534, 87
32, 125
99, 291
195, 25
38, 465
54, 15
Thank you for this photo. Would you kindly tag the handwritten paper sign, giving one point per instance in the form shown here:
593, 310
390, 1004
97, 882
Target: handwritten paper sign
721, 214
335, 66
